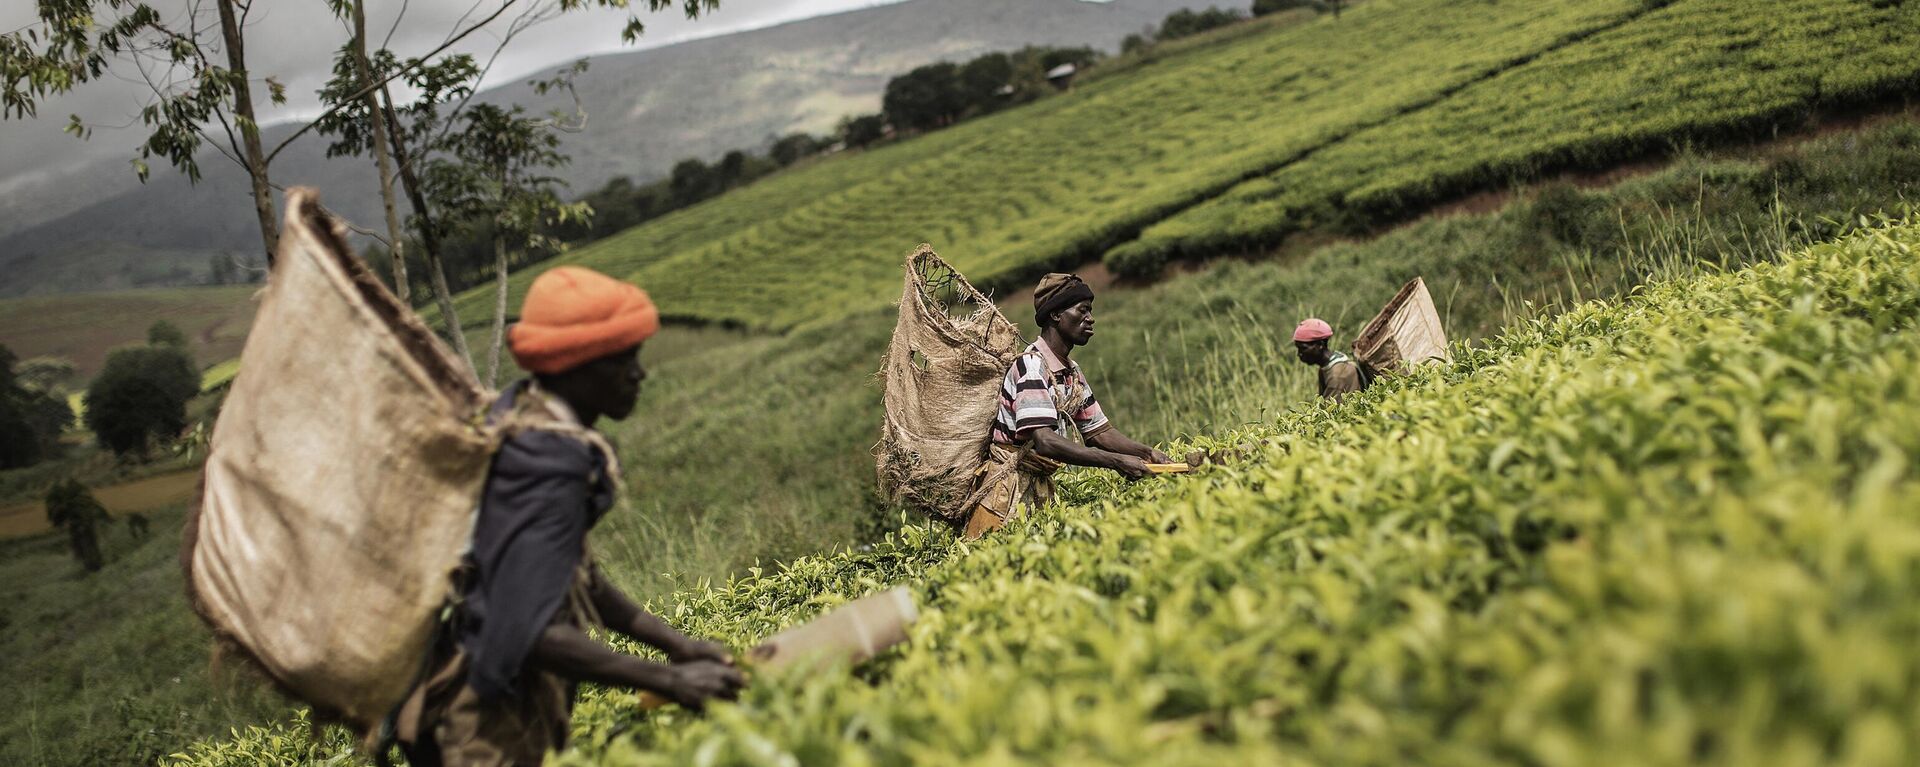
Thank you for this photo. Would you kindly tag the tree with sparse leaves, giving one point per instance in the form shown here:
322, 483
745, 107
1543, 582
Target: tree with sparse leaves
202, 91
495, 172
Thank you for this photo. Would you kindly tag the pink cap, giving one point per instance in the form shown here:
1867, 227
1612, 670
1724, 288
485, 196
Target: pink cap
1312, 329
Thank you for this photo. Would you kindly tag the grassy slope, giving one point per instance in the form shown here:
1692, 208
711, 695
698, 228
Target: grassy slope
1723, 574
1060, 181
83, 327
1057, 182
757, 450
1726, 69
754, 448
109, 668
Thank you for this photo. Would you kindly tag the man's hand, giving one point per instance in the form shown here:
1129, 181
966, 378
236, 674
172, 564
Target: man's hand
1155, 456
691, 649
696, 682
1129, 466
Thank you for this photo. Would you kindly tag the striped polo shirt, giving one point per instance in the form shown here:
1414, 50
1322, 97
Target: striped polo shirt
1041, 391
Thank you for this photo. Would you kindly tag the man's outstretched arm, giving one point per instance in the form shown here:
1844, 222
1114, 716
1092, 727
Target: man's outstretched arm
1049, 444
569, 652
620, 613
1111, 440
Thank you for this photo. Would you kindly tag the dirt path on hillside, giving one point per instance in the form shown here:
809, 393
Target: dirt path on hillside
140, 495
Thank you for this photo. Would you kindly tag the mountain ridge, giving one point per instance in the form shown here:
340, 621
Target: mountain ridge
95, 229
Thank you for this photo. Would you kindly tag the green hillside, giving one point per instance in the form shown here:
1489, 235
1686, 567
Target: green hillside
1675, 529
1724, 69
1072, 177
1057, 182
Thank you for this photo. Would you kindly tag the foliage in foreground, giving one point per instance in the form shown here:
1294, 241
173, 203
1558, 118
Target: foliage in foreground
1681, 528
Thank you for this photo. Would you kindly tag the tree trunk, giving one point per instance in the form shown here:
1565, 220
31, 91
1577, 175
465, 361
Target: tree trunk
377, 120
429, 242
499, 309
256, 159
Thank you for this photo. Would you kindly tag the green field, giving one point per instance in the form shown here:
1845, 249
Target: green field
753, 448
750, 448
84, 327
110, 668
1725, 69
1056, 183
1723, 575
1469, 94
1674, 528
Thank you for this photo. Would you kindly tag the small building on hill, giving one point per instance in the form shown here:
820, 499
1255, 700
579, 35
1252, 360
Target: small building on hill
1062, 76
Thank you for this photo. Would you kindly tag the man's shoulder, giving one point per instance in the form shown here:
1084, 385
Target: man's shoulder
1027, 361
536, 451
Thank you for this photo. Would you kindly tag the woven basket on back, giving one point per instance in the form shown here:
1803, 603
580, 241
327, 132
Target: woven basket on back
341, 483
950, 349
1407, 332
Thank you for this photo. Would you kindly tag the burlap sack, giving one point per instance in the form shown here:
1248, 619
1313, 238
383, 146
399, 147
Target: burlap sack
1405, 333
950, 349
341, 482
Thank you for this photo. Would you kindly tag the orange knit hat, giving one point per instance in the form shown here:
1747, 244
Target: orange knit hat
574, 315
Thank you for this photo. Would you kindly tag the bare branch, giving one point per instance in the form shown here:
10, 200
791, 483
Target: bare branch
370, 87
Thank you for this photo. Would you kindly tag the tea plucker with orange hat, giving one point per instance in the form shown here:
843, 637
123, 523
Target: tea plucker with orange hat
1043, 399
500, 690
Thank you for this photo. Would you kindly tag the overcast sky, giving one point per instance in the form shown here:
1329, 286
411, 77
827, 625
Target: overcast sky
294, 40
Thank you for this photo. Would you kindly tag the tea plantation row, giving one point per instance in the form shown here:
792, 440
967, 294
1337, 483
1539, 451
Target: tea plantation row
1696, 71
1227, 148
1682, 528
1058, 182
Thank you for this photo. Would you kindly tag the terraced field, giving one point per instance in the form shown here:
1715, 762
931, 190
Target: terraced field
1058, 182
1397, 104
1723, 574
1724, 69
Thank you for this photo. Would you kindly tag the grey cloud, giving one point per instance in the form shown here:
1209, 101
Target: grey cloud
294, 41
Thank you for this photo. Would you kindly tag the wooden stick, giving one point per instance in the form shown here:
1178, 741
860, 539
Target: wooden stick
1169, 468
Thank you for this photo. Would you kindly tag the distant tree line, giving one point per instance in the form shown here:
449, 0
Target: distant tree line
1187, 23
619, 204
940, 94
1264, 7
926, 98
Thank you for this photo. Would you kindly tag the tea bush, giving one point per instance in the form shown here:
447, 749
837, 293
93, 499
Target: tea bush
1679, 528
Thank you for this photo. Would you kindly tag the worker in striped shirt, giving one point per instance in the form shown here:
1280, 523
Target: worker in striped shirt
1044, 398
